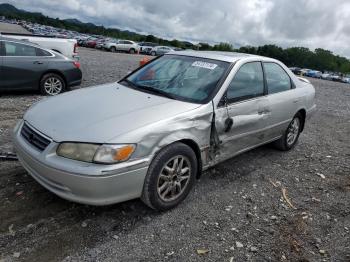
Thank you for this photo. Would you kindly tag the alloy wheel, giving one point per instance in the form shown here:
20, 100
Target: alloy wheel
174, 178
293, 131
53, 86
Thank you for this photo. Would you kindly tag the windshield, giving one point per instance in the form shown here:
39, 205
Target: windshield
185, 78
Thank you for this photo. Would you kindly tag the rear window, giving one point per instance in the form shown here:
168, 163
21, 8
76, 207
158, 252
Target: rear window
41, 52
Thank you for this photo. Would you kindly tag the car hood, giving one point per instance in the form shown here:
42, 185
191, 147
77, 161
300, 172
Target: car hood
101, 113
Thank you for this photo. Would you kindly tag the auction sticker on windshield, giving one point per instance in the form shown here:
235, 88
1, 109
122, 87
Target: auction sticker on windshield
206, 65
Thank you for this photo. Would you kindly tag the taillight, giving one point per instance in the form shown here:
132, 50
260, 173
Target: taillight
76, 64
75, 50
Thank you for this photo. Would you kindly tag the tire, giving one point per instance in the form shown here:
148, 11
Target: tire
291, 135
153, 53
113, 49
163, 189
132, 51
52, 84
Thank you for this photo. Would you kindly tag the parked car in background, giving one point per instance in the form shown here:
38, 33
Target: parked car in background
122, 46
345, 79
153, 133
296, 70
304, 71
335, 78
160, 50
101, 42
66, 47
146, 47
313, 74
91, 43
25, 65
326, 76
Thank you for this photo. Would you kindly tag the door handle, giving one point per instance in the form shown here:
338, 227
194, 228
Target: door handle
37, 62
263, 112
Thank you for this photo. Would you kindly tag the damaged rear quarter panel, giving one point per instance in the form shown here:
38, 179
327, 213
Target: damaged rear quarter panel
193, 125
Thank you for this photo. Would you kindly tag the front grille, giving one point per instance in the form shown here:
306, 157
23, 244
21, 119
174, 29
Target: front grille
34, 138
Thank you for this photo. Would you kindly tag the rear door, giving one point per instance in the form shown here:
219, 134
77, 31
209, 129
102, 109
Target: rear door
283, 98
128, 45
242, 117
122, 46
23, 65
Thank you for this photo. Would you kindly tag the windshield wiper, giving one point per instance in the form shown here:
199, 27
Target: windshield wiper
157, 91
149, 89
130, 83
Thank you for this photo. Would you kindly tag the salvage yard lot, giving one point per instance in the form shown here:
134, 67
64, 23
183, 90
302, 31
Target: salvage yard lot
237, 210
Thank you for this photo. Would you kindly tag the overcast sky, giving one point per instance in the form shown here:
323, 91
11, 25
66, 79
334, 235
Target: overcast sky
310, 23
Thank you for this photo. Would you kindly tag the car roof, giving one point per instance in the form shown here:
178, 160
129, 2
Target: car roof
217, 55
16, 40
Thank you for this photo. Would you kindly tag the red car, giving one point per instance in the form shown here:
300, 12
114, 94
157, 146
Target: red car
91, 43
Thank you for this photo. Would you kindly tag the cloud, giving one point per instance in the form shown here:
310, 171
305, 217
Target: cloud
310, 23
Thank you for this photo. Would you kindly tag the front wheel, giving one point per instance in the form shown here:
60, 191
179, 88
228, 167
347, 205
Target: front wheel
170, 177
291, 135
52, 84
113, 49
153, 53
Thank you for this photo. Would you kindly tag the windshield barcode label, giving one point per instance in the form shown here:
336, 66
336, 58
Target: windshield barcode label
205, 65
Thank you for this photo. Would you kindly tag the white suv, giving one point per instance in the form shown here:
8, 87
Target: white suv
122, 45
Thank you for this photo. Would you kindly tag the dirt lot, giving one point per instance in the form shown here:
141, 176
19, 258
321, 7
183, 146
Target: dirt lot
12, 28
236, 211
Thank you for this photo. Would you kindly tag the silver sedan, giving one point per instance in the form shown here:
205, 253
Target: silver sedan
152, 134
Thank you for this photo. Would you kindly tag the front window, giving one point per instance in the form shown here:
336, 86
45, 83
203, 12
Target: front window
247, 83
184, 78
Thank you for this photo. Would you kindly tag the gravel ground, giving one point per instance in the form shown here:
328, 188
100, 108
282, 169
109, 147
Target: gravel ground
12, 28
236, 212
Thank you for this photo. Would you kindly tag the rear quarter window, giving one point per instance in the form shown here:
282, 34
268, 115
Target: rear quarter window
41, 52
277, 79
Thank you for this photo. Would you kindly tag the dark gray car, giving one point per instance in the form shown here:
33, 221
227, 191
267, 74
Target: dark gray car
24, 65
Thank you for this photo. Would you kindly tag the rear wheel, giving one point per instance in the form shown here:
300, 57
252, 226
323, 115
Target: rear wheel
153, 53
170, 177
291, 135
113, 49
52, 84
132, 51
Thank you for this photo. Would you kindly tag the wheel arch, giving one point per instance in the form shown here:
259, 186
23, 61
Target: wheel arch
190, 143
302, 112
194, 146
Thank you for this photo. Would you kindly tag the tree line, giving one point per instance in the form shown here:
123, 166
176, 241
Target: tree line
303, 57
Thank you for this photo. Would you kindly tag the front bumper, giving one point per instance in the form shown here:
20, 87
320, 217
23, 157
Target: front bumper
81, 182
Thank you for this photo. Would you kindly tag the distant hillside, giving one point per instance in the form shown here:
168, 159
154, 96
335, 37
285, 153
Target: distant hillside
74, 24
8, 9
319, 59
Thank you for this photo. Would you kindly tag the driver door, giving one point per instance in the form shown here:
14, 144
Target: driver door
242, 118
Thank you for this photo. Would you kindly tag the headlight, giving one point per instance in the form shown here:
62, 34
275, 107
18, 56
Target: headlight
109, 154
104, 154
